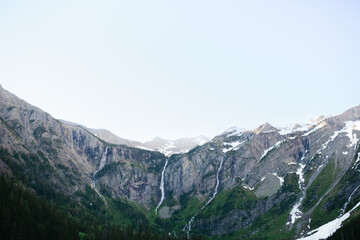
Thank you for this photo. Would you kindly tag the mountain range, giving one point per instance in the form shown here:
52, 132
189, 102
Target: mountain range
165, 146
297, 182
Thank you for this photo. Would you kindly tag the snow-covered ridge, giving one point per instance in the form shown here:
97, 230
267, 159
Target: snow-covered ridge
317, 127
169, 147
234, 131
308, 127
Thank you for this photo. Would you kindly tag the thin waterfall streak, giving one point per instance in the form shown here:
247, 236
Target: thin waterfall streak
102, 164
217, 185
349, 199
162, 186
188, 225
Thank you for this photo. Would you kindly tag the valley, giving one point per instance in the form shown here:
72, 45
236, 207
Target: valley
263, 183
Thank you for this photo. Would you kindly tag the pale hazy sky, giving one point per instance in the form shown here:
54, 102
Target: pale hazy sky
182, 68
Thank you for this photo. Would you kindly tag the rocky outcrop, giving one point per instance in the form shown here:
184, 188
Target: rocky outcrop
28, 129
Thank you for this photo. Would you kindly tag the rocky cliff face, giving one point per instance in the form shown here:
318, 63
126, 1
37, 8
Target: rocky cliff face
27, 129
232, 184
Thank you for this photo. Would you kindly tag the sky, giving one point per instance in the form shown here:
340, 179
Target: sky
182, 68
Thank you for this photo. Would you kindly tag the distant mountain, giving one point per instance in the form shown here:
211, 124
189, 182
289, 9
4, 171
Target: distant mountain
169, 147
267, 183
165, 146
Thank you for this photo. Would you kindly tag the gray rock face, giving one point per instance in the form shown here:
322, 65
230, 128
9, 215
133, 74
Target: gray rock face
257, 160
28, 129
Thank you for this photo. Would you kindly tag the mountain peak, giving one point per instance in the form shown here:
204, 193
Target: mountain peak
157, 138
234, 131
264, 128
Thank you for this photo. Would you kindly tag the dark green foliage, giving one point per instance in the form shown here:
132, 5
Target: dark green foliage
33, 170
194, 150
184, 199
157, 167
38, 132
23, 215
90, 199
237, 198
47, 213
329, 207
309, 171
269, 226
291, 183
108, 169
10, 128
319, 186
137, 218
180, 217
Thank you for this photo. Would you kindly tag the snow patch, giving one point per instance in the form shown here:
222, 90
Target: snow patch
291, 163
247, 187
350, 126
319, 126
300, 173
295, 211
329, 228
269, 131
280, 178
266, 151
144, 148
292, 128
234, 131
234, 146
201, 140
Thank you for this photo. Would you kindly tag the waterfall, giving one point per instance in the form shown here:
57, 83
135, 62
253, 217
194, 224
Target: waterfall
342, 211
188, 225
162, 188
217, 184
102, 164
